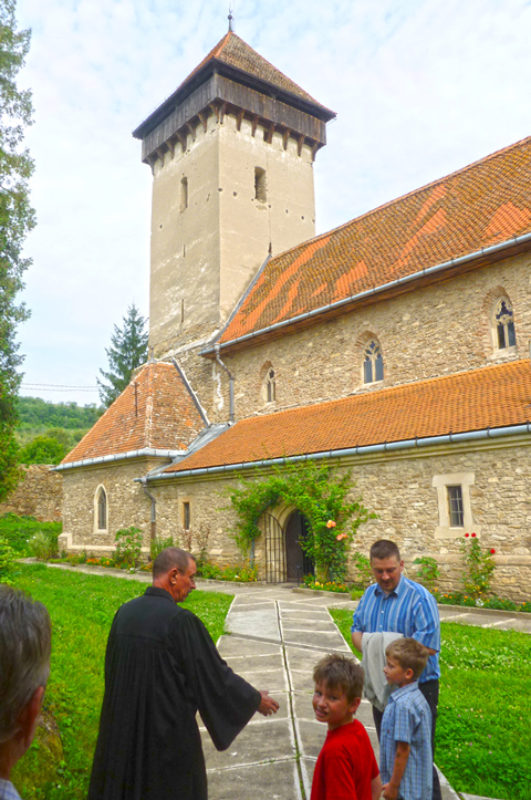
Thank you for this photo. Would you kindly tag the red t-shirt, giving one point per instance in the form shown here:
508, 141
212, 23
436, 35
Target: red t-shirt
346, 765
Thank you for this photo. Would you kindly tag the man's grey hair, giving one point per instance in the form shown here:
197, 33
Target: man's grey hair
169, 558
25, 644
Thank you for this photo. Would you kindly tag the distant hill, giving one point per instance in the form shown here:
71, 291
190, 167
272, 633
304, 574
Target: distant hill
36, 413
46, 431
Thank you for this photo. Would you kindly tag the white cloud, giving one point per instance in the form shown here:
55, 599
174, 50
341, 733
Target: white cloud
420, 87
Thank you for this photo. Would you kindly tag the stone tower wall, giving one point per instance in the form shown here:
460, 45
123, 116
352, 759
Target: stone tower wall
205, 251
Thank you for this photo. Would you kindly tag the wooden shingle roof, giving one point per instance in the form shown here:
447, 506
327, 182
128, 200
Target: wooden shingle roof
156, 411
491, 397
484, 204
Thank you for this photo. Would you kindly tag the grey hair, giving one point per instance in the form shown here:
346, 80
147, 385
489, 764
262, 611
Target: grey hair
25, 645
169, 558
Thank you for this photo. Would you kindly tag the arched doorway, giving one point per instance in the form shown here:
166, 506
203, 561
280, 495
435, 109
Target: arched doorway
298, 563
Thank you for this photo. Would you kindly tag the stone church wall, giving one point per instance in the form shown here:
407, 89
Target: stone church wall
127, 504
434, 331
400, 489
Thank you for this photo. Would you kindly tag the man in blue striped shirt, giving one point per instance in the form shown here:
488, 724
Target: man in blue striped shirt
395, 603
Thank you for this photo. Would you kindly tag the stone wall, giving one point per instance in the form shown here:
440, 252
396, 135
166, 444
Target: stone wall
39, 494
127, 504
401, 490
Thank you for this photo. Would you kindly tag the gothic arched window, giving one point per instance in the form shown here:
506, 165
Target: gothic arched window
504, 324
270, 386
101, 509
373, 365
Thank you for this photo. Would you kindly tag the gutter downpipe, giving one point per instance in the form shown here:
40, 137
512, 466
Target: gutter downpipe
453, 262
153, 517
231, 383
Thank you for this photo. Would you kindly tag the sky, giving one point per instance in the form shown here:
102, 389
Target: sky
420, 88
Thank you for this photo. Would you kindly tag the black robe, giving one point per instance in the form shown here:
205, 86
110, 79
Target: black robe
161, 666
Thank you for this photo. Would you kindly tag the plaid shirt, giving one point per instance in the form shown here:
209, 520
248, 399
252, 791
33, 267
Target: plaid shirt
407, 718
409, 609
8, 791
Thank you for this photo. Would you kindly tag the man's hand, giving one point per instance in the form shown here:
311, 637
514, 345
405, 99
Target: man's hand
356, 640
267, 705
390, 792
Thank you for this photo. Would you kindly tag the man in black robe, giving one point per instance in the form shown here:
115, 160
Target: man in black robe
161, 667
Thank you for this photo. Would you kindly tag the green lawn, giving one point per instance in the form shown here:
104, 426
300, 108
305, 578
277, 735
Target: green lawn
82, 608
482, 739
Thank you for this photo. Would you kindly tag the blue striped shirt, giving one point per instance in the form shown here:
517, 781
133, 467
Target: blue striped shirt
407, 718
8, 791
409, 609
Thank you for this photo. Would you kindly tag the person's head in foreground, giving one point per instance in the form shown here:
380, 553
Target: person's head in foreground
338, 689
25, 644
405, 660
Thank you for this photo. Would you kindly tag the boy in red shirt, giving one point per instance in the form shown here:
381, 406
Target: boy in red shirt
346, 768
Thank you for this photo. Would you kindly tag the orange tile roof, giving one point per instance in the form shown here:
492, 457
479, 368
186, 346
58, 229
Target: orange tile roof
234, 52
154, 411
483, 204
491, 397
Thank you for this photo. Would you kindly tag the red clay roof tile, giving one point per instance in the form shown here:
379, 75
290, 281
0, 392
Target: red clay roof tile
234, 52
491, 397
154, 411
483, 204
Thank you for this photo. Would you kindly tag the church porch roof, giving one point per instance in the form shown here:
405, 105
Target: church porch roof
155, 413
495, 397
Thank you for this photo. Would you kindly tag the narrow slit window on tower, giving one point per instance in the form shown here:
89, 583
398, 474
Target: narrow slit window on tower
101, 505
260, 192
184, 193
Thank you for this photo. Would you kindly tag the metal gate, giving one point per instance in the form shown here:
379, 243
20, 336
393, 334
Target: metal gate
275, 551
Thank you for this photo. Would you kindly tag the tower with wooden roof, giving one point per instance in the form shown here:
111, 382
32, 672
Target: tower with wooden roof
231, 153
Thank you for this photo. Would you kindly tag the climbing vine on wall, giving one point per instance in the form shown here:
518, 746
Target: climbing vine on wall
320, 494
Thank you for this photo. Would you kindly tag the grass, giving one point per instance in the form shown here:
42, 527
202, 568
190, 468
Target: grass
19, 530
82, 607
482, 729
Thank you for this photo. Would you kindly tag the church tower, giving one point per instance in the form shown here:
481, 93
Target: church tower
231, 153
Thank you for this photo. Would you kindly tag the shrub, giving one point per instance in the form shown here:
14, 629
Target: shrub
43, 545
427, 572
19, 530
128, 547
7, 561
157, 545
479, 566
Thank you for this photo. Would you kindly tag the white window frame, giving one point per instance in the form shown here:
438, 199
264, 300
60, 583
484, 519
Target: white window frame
441, 483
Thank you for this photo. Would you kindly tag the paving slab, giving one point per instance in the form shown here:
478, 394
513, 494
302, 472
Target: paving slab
274, 639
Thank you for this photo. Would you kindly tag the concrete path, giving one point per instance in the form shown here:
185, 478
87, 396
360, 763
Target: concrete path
276, 635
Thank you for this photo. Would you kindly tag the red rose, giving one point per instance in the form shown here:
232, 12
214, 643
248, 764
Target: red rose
473, 535
492, 551
467, 535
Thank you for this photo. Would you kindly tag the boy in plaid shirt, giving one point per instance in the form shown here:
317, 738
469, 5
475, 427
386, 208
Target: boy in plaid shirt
405, 740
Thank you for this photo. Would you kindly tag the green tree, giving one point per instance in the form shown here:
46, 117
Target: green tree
43, 450
128, 351
16, 219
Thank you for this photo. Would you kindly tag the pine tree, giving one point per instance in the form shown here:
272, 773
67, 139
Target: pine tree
16, 219
127, 352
